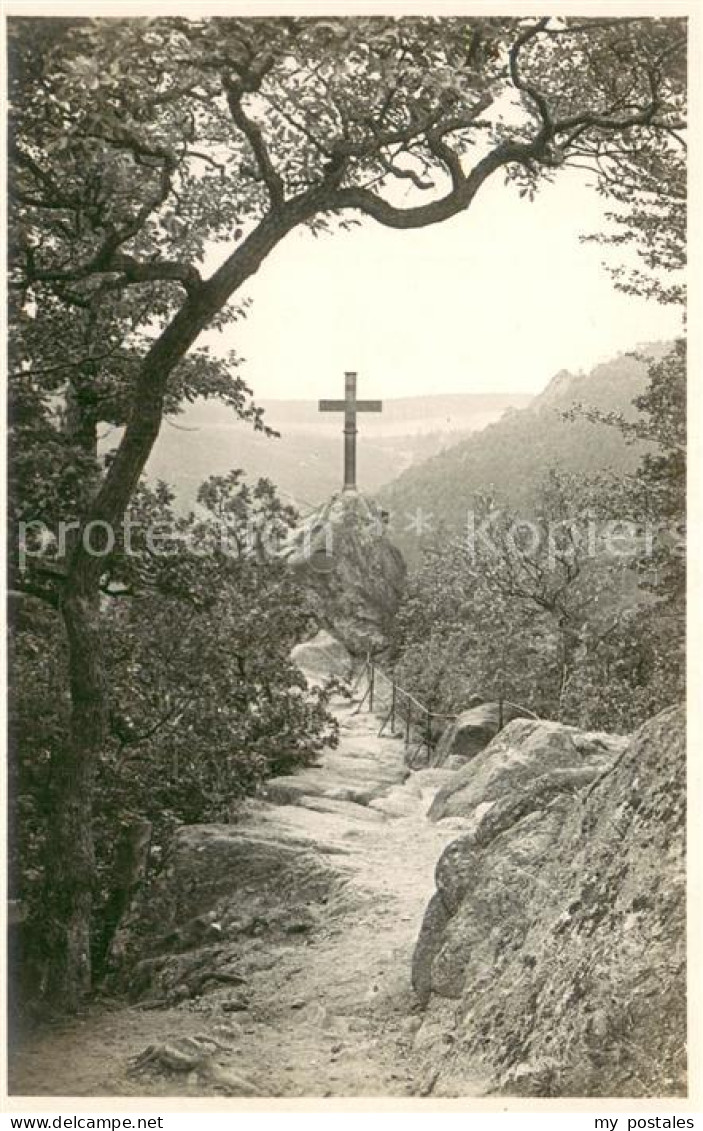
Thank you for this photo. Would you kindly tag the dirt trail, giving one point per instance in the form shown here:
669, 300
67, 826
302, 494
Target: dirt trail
328, 1015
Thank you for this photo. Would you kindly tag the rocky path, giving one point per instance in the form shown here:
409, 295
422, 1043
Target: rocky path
326, 1012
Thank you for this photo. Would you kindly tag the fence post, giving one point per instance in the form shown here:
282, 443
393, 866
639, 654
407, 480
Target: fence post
407, 729
428, 732
371, 683
501, 699
393, 708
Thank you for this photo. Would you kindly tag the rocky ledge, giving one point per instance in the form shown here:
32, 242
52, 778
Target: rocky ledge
552, 955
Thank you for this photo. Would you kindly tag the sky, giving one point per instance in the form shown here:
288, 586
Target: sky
498, 299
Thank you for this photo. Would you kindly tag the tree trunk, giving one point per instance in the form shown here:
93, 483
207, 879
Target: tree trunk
69, 875
566, 649
129, 872
69, 872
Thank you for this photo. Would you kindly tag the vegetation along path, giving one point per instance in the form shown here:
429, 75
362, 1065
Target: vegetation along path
329, 1012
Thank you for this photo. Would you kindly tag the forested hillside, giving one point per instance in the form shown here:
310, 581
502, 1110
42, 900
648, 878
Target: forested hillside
554, 575
305, 458
509, 458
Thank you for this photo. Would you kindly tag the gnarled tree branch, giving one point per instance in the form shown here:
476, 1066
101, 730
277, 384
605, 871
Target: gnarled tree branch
235, 90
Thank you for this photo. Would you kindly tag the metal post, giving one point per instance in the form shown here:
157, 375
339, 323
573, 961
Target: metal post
393, 708
407, 729
371, 683
428, 732
350, 432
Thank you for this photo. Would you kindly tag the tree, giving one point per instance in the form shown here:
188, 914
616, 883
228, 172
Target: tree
647, 183
639, 667
508, 609
205, 702
137, 145
458, 638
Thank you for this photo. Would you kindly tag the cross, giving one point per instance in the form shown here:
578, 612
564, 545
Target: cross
350, 406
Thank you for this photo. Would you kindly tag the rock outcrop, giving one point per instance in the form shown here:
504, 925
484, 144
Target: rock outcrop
525, 750
221, 888
471, 732
557, 929
230, 898
322, 658
354, 574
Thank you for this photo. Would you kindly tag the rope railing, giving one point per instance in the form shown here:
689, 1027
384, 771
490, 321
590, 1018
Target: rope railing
398, 706
403, 705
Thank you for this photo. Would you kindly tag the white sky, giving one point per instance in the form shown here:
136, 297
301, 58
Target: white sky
497, 299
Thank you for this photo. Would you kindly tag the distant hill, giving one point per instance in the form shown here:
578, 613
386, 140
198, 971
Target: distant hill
306, 461
511, 456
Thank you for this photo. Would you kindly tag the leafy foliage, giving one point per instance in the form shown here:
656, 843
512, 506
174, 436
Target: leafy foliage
641, 666
510, 458
506, 607
648, 183
204, 703
579, 615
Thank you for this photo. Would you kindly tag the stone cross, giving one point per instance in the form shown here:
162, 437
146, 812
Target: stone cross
350, 406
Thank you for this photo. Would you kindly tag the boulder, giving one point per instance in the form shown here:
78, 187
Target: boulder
558, 930
471, 732
524, 750
353, 574
321, 658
